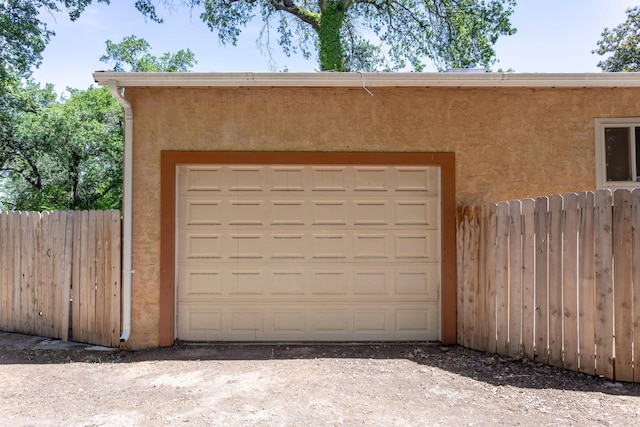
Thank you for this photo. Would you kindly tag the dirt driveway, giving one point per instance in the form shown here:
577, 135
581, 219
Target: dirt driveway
319, 385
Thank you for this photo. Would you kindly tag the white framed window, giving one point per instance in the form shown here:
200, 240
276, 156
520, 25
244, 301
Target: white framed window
617, 152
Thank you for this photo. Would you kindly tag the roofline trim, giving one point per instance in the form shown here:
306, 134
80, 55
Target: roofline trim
369, 80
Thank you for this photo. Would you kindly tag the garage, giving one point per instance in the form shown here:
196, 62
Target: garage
308, 248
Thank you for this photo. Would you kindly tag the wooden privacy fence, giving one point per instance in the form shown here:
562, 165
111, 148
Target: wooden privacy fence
555, 279
60, 274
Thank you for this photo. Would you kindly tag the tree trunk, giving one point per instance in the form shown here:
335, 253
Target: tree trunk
332, 56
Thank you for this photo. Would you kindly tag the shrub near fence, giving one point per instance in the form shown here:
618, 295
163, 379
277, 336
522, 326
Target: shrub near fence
555, 280
49, 259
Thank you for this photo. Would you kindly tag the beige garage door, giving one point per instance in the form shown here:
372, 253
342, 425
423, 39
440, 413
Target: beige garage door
308, 253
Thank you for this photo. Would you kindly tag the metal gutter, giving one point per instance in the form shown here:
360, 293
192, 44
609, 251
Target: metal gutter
369, 80
127, 208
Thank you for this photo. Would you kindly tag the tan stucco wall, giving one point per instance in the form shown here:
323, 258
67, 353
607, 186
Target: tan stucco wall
509, 143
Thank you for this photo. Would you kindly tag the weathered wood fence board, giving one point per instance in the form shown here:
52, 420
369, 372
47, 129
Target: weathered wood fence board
555, 280
53, 260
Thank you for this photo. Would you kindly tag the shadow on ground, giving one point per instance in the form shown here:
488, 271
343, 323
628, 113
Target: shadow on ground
491, 369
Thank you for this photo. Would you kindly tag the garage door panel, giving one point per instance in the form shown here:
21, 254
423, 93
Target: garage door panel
423, 281
328, 178
330, 212
287, 213
201, 323
416, 246
249, 246
415, 319
198, 245
247, 282
200, 283
245, 178
308, 283
371, 282
422, 212
329, 282
288, 282
371, 178
203, 246
202, 212
417, 179
288, 322
195, 179
371, 321
200, 178
245, 212
308, 253
287, 178
372, 212
326, 245
320, 213
371, 246
308, 323
287, 246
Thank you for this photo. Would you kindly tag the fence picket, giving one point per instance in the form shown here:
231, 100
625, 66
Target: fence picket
461, 231
469, 251
515, 279
76, 277
528, 277
622, 287
492, 230
67, 276
84, 285
4, 271
115, 281
541, 281
502, 278
604, 285
23, 287
13, 264
635, 201
569, 279
586, 280
570, 282
57, 304
41, 264
42, 286
481, 287
100, 276
556, 215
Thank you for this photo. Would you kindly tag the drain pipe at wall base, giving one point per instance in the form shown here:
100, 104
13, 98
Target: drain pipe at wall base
126, 214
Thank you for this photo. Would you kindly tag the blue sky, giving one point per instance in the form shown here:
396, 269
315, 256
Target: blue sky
553, 36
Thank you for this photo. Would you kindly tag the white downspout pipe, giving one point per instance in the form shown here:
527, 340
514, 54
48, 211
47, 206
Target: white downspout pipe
126, 207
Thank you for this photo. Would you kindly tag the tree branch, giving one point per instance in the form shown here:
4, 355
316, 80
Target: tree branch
37, 184
304, 15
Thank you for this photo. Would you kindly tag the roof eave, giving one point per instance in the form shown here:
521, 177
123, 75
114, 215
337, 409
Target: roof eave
369, 80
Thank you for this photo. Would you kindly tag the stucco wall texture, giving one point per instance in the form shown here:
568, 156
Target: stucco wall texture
509, 143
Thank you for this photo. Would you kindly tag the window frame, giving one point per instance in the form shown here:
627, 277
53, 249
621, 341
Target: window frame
601, 160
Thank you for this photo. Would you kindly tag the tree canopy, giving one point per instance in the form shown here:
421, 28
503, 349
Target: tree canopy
367, 35
134, 52
67, 153
62, 155
622, 44
23, 35
347, 35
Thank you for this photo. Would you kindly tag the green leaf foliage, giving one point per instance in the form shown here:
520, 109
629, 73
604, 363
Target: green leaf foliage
134, 54
367, 35
23, 36
621, 44
61, 154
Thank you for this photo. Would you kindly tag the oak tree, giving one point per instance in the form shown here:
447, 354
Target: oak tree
622, 44
367, 35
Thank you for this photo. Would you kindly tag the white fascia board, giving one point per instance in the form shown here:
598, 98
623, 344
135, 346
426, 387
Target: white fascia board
369, 80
